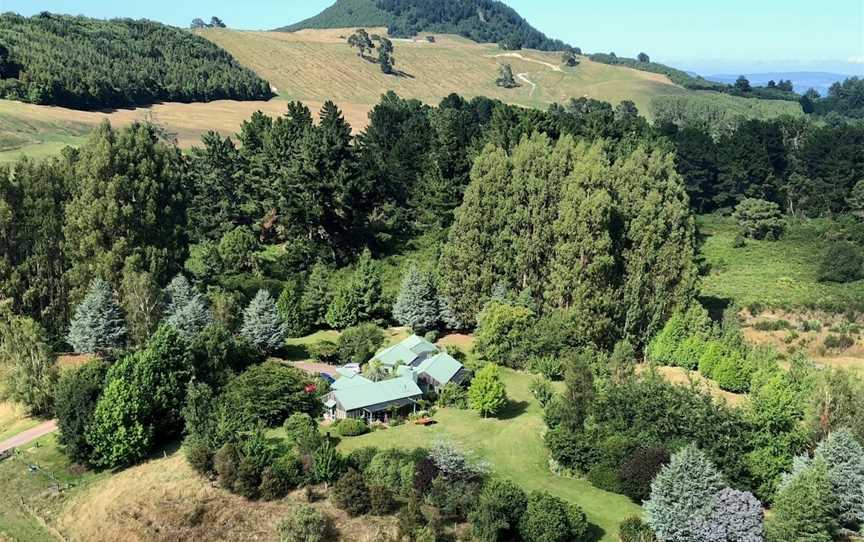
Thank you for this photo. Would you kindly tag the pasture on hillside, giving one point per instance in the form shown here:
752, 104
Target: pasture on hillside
773, 274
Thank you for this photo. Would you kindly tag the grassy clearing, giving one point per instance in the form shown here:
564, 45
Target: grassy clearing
14, 420
773, 274
513, 444
29, 508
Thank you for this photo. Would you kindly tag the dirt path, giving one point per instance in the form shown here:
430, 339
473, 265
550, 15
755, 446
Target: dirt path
524, 78
28, 436
549, 65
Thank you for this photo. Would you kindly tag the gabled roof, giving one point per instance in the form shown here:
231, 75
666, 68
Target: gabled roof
406, 351
375, 393
442, 367
345, 382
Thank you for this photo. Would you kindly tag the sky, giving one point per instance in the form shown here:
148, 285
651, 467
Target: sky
733, 36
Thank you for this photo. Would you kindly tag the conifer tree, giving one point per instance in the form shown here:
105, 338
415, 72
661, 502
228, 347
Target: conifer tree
97, 325
804, 508
262, 324
732, 515
291, 310
844, 458
317, 295
417, 304
187, 310
681, 491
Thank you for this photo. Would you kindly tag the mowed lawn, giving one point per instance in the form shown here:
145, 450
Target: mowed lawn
513, 444
776, 274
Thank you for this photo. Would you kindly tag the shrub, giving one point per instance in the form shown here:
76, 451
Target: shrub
358, 344
302, 431
324, 351
541, 389
351, 427
772, 325
838, 342
199, 455
499, 509
635, 530
731, 515
733, 373
760, 219
842, 262
551, 519
306, 524
351, 494
453, 395
393, 469
278, 479
552, 367
811, 326
360, 458
638, 470
454, 498
689, 352
425, 472
664, 345
605, 476
225, 463
327, 463
381, 501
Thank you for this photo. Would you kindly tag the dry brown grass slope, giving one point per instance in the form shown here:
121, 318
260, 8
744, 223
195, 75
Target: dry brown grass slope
317, 65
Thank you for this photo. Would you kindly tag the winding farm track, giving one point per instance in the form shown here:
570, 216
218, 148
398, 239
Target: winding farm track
26, 437
549, 65
524, 78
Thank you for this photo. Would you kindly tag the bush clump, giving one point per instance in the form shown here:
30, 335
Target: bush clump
760, 219
843, 262
306, 524
635, 530
351, 427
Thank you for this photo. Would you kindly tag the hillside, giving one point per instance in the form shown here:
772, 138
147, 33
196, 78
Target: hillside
483, 21
89, 64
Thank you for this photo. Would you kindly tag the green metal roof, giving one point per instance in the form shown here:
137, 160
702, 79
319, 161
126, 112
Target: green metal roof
374, 393
345, 382
406, 351
441, 367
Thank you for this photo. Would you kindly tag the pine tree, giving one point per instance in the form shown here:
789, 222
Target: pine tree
291, 311
682, 490
262, 324
187, 310
367, 285
317, 295
844, 458
97, 325
417, 304
804, 508
487, 394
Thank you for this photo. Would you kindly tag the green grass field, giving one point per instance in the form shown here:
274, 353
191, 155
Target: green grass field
514, 446
28, 506
776, 274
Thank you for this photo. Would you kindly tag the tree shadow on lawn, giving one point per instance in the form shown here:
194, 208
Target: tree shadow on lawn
295, 352
514, 409
594, 533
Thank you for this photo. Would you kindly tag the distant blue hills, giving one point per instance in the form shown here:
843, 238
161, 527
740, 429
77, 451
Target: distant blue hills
801, 81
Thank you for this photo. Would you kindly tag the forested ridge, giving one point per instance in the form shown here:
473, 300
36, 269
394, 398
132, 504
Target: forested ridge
484, 21
86, 63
